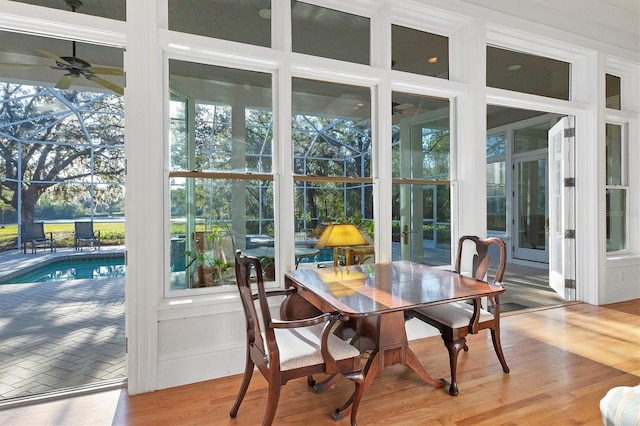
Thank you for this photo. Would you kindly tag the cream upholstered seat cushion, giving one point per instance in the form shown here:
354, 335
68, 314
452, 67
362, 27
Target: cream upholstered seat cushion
621, 406
454, 314
300, 347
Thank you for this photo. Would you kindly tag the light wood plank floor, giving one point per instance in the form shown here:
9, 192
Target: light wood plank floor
562, 360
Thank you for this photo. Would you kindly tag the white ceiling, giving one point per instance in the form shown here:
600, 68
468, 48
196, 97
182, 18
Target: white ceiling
615, 22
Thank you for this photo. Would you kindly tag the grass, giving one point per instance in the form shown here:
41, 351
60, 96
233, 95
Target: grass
111, 233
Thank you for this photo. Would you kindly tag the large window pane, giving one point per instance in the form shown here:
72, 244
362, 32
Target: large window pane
228, 214
616, 200
420, 140
231, 124
220, 184
420, 169
246, 21
526, 73
419, 52
331, 127
329, 33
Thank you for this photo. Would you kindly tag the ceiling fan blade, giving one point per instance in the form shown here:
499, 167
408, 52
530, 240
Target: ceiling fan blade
9, 64
105, 70
105, 83
53, 56
65, 82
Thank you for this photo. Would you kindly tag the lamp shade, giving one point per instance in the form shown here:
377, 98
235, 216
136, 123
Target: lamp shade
341, 235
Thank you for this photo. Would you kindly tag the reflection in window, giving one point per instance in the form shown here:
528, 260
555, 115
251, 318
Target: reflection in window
221, 189
496, 145
526, 73
419, 52
329, 33
613, 91
246, 21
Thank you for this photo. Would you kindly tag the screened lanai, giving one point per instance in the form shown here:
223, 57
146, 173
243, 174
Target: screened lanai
63, 156
223, 167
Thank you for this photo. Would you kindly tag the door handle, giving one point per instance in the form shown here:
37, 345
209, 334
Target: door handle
405, 234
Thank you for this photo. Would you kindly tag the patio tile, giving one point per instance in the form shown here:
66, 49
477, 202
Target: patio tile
50, 332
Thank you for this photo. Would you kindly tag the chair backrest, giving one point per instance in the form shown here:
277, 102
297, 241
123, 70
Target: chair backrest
481, 259
33, 231
84, 229
244, 266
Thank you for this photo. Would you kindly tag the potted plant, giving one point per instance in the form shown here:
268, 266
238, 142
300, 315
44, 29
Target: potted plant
268, 267
208, 256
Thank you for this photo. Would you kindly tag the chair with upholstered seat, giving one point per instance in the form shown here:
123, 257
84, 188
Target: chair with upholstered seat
456, 320
288, 349
84, 233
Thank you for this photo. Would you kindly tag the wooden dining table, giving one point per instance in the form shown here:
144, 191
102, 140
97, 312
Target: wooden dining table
373, 298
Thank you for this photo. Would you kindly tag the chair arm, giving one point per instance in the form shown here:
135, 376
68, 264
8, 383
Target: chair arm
272, 293
50, 235
307, 322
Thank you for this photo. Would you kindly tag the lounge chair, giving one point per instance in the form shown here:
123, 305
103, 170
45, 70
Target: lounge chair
84, 233
34, 233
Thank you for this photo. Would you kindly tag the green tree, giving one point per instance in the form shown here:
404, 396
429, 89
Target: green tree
50, 136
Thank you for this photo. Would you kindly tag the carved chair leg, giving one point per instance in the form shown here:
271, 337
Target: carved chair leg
495, 337
272, 403
454, 347
246, 379
354, 400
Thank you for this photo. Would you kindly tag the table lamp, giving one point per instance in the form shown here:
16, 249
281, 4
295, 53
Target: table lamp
340, 235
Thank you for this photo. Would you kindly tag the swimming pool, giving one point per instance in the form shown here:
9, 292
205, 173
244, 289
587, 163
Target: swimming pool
72, 269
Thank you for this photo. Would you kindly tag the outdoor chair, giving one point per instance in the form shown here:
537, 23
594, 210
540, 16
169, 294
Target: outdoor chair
458, 319
288, 349
84, 233
34, 234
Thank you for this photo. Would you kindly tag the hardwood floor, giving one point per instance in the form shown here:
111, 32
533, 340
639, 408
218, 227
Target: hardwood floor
562, 359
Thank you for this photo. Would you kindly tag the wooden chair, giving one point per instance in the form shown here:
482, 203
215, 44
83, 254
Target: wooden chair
34, 233
84, 233
288, 349
457, 320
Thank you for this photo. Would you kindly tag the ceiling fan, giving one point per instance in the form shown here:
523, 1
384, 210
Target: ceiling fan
399, 110
76, 67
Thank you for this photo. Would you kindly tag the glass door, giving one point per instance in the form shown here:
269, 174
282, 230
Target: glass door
530, 218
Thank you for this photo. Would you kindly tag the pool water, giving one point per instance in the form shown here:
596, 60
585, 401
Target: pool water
73, 270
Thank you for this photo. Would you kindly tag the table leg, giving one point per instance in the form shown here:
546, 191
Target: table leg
390, 347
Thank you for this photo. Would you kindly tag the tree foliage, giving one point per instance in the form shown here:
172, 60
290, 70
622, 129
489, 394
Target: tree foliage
51, 137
